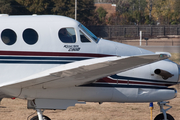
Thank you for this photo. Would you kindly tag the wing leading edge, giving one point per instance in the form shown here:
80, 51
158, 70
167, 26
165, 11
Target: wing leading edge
86, 71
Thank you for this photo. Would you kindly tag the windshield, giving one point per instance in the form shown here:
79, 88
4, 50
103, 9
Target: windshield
89, 33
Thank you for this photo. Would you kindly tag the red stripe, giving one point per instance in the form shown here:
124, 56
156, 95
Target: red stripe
27, 53
107, 80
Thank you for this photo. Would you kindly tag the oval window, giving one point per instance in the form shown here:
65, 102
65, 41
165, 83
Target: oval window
8, 36
30, 36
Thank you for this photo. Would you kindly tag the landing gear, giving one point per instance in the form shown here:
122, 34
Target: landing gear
44, 118
161, 117
164, 115
40, 116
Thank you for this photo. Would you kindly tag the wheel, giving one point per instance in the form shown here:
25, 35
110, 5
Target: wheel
44, 118
161, 117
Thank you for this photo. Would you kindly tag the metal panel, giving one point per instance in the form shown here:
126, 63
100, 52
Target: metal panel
51, 104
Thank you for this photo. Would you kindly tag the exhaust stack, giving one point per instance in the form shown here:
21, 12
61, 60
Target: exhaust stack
164, 74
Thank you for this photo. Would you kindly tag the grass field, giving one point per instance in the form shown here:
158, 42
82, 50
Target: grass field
175, 57
16, 109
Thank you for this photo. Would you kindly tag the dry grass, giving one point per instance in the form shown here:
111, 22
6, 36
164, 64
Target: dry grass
16, 110
175, 57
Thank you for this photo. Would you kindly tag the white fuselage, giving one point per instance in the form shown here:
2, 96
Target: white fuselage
21, 60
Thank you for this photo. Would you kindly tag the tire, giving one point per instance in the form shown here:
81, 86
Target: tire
161, 117
44, 118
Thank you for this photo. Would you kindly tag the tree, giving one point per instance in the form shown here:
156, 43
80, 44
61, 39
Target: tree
176, 15
131, 11
101, 13
150, 5
85, 9
37, 6
12, 7
61, 7
164, 11
177, 6
5, 6
123, 6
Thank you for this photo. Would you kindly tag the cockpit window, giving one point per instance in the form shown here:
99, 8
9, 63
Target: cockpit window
83, 37
89, 33
67, 35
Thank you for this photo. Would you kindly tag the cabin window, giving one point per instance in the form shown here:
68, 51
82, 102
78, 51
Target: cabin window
67, 35
30, 36
84, 38
8, 36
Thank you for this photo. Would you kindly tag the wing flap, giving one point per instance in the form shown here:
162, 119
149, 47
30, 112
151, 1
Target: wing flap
86, 71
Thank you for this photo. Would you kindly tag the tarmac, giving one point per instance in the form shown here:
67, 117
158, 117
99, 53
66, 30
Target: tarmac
170, 49
156, 45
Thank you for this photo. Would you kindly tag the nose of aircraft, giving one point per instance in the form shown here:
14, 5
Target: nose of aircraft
179, 72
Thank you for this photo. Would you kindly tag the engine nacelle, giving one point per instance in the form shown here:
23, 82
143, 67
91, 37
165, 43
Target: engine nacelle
161, 73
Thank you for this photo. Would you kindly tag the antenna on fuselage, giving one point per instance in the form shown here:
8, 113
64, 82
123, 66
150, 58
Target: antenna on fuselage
34, 14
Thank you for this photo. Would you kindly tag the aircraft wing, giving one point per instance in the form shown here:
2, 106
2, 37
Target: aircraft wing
86, 71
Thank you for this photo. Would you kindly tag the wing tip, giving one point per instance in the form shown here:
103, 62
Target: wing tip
164, 56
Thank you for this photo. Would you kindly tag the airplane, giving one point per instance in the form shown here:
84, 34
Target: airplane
55, 62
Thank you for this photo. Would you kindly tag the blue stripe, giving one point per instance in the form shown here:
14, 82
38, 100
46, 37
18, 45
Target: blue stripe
140, 79
35, 62
39, 60
42, 58
123, 86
